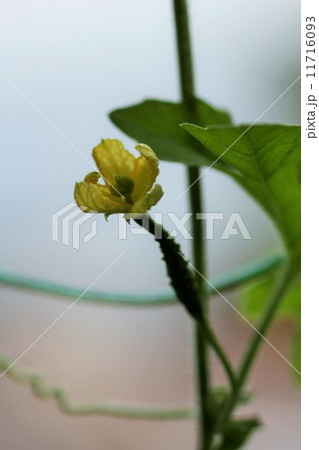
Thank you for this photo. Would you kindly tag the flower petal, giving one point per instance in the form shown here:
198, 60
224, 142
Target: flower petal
113, 160
149, 200
95, 198
146, 171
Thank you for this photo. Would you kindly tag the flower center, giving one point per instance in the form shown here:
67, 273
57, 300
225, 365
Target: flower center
124, 186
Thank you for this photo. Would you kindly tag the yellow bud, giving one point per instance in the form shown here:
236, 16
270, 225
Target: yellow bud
92, 177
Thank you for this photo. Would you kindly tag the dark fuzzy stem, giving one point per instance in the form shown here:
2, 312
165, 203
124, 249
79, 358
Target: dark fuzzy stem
181, 277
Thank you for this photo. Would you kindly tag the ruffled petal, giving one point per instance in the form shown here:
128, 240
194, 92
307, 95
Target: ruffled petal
95, 198
149, 200
113, 160
146, 171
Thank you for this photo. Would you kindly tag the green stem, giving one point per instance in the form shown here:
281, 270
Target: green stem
184, 52
199, 259
41, 389
201, 347
210, 336
253, 347
231, 280
257, 338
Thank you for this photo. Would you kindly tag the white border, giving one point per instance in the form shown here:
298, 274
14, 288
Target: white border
310, 246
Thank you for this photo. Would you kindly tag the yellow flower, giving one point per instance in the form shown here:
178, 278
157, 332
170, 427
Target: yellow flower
129, 181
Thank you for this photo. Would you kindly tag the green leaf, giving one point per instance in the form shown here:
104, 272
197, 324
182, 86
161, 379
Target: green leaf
238, 431
156, 123
264, 160
255, 295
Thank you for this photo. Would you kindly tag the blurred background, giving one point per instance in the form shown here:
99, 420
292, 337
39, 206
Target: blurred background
74, 61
